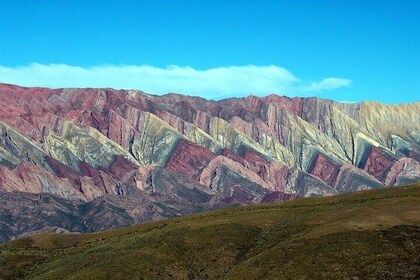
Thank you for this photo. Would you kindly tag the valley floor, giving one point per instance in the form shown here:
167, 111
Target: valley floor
365, 235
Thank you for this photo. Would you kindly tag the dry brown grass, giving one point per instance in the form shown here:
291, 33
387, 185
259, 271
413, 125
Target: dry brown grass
371, 234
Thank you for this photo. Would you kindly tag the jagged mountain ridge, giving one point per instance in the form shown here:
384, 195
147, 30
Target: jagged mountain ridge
80, 144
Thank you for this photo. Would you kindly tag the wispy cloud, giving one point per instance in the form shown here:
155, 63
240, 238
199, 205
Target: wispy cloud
211, 83
327, 84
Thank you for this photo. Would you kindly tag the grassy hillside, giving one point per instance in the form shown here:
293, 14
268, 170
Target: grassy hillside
365, 235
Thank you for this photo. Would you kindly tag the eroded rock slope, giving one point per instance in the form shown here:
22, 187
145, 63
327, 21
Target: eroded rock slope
161, 156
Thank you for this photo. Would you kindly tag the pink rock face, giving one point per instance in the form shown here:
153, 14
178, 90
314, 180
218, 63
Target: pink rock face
231, 155
404, 171
325, 169
30, 178
121, 166
377, 163
189, 159
280, 175
211, 175
193, 154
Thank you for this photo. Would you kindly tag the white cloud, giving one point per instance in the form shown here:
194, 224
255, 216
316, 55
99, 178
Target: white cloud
328, 84
211, 83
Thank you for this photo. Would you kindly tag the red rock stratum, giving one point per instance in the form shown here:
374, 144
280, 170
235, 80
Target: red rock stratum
128, 157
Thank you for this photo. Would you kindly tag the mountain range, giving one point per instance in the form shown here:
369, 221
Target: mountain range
83, 160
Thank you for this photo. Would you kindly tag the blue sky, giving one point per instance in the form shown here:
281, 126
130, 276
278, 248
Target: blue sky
343, 50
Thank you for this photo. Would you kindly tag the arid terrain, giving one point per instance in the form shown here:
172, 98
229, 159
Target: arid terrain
82, 160
371, 234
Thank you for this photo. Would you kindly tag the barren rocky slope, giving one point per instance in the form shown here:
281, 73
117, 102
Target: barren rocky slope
151, 157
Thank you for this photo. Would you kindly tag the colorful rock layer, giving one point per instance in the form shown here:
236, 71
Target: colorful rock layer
162, 156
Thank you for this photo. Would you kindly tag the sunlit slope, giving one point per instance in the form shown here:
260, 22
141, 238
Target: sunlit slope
370, 234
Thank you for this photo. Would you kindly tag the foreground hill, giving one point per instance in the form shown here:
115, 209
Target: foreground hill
365, 235
105, 158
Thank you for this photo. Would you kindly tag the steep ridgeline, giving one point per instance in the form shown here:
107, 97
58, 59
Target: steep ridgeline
182, 154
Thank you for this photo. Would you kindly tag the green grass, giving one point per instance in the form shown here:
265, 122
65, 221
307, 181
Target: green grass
365, 235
